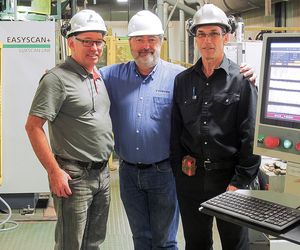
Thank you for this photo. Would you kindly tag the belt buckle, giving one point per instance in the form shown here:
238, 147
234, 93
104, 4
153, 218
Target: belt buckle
205, 163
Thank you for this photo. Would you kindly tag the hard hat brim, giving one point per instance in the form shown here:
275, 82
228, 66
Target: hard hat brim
226, 27
145, 33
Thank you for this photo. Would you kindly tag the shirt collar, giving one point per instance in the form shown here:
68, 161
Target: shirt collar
77, 68
224, 65
152, 72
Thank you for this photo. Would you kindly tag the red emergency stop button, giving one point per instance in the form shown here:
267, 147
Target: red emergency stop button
297, 146
271, 142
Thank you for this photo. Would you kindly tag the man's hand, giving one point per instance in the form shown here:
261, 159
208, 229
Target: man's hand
231, 188
59, 183
248, 72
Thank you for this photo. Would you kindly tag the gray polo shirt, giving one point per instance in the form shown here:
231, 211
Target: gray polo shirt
77, 109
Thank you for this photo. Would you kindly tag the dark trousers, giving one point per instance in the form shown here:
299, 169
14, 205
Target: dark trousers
197, 228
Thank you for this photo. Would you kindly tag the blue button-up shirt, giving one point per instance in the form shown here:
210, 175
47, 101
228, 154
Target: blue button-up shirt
141, 110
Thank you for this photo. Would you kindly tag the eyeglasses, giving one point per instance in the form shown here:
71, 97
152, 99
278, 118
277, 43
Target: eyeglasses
211, 35
90, 43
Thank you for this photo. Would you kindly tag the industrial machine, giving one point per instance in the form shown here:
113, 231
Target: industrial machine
245, 51
277, 132
28, 51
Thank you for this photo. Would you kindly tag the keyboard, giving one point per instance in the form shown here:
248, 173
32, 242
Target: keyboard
257, 211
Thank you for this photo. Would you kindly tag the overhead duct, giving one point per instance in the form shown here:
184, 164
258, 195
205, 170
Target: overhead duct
234, 6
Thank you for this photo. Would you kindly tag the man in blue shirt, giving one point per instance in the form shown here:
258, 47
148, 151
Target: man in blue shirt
141, 93
141, 96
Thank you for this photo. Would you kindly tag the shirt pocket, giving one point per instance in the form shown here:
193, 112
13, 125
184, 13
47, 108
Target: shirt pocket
227, 98
161, 108
225, 107
190, 111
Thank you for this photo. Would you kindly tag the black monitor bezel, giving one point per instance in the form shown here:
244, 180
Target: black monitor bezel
266, 83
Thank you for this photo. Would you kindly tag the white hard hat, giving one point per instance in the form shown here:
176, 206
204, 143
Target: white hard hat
84, 21
210, 14
145, 23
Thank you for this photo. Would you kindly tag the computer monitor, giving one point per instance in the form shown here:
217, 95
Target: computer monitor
277, 132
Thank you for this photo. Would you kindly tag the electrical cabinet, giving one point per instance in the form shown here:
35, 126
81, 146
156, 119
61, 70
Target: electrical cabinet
28, 51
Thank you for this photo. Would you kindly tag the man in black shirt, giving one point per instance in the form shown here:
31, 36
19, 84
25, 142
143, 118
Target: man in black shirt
212, 131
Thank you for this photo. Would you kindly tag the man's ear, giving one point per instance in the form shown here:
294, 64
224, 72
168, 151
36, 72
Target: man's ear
226, 38
70, 42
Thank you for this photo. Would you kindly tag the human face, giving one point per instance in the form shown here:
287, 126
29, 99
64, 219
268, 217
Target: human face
87, 48
145, 50
210, 41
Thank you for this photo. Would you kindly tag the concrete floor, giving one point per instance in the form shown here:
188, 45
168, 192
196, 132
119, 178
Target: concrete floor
36, 231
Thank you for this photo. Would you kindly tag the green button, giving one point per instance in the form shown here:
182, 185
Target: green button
260, 138
287, 143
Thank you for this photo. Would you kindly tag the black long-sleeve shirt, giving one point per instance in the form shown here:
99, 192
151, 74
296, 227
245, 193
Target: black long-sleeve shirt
214, 118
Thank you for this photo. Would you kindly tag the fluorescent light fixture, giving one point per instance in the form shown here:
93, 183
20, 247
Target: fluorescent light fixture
122, 1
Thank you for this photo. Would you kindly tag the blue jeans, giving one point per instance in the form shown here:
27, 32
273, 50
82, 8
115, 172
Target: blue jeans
82, 217
150, 201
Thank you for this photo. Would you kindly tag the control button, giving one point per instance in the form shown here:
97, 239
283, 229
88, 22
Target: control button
287, 143
260, 138
297, 146
271, 142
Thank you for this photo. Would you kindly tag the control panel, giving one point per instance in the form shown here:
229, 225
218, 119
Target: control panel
279, 141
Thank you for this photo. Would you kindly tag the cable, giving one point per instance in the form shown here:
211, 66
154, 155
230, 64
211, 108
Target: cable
7, 220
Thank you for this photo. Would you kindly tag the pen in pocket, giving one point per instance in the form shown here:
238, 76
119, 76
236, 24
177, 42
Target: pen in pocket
194, 96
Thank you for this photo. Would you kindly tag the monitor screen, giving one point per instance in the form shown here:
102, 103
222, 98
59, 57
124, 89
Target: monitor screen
277, 129
281, 103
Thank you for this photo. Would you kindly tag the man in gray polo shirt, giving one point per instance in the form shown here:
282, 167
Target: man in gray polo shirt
73, 99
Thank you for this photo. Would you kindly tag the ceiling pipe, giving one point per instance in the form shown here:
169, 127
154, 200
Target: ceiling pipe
181, 6
234, 6
181, 34
73, 7
165, 24
146, 5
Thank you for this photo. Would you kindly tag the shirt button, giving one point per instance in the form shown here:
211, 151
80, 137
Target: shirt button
204, 122
137, 148
207, 84
141, 98
205, 103
139, 114
227, 100
137, 131
205, 142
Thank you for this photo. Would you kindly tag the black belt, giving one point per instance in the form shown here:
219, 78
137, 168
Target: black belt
208, 165
84, 164
144, 166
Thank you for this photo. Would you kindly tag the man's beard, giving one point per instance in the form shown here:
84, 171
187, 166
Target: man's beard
148, 61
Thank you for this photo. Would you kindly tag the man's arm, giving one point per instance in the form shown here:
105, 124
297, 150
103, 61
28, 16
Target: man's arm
248, 163
57, 177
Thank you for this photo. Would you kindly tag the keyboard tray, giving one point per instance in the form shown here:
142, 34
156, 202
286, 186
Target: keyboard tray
264, 213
